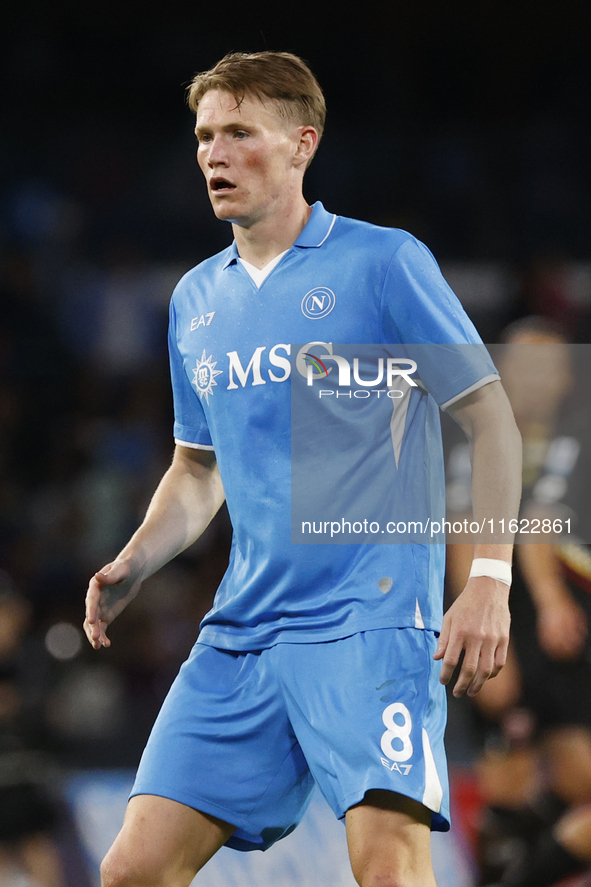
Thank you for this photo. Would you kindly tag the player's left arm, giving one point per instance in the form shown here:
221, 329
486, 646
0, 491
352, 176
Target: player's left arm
477, 623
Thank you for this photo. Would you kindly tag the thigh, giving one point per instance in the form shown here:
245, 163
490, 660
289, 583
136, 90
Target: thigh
223, 744
389, 837
369, 713
162, 841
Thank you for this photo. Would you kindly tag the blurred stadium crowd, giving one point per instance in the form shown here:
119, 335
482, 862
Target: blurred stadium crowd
93, 237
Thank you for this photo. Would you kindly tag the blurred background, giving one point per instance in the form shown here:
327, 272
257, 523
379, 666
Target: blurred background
466, 124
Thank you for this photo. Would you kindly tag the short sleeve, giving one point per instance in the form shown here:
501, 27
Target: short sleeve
190, 423
421, 311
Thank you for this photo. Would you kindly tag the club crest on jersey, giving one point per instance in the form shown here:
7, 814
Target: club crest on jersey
204, 375
318, 302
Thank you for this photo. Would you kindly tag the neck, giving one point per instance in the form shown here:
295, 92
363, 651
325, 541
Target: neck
267, 238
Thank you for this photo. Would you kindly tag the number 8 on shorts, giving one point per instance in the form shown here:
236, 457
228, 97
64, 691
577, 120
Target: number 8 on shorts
395, 731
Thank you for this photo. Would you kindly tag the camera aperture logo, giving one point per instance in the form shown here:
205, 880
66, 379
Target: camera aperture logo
390, 370
316, 364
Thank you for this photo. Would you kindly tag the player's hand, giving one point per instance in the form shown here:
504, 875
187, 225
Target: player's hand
109, 592
477, 624
562, 628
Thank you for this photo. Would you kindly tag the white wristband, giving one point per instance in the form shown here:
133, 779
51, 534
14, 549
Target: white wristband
495, 569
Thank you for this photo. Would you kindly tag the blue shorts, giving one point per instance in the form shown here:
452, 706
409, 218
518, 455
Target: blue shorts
244, 736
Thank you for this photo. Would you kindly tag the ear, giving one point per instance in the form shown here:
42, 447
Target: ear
306, 146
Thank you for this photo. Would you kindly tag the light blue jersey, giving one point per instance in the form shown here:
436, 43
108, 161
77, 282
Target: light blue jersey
343, 281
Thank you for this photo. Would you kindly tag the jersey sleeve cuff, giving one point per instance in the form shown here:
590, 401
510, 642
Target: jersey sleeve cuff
493, 377
193, 446
196, 436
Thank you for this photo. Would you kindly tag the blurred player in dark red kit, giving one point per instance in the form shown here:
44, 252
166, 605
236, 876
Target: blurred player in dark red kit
537, 781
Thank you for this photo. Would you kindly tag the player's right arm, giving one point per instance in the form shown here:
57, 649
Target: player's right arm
186, 500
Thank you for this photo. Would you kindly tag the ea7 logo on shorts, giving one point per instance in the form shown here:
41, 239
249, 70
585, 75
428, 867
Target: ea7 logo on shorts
400, 768
318, 302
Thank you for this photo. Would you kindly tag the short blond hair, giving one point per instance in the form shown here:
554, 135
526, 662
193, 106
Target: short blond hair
280, 77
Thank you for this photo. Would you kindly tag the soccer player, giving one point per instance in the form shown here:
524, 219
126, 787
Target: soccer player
321, 662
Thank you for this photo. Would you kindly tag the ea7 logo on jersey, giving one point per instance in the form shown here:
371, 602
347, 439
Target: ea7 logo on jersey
203, 320
204, 376
318, 302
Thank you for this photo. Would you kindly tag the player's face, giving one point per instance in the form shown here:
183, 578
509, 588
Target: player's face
247, 156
